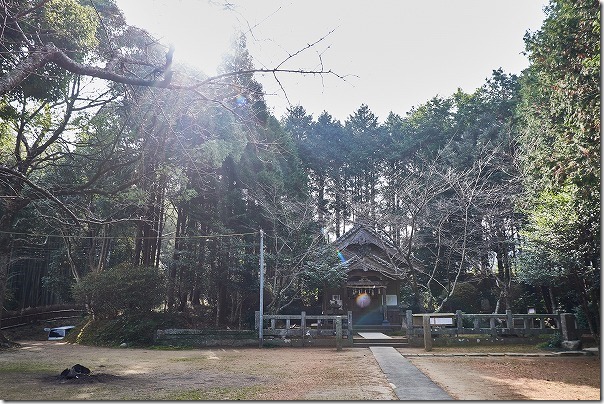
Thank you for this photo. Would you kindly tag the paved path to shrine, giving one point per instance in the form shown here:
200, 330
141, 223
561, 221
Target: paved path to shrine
408, 382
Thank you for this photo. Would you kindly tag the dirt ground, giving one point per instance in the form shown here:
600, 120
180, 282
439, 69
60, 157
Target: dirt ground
515, 378
32, 373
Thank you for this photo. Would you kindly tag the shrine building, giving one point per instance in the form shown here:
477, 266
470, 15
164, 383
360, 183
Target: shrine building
373, 281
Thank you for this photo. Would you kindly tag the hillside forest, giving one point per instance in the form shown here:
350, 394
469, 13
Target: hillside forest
132, 185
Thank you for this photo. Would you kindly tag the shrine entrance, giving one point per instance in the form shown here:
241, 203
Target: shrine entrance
366, 299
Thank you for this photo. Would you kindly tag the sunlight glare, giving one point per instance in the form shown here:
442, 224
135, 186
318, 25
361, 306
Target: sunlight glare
200, 30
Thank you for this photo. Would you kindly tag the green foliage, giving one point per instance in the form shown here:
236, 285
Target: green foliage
124, 289
73, 23
549, 251
70, 25
323, 268
132, 329
560, 108
554, 341
559, 121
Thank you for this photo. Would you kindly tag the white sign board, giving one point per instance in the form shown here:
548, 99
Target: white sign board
391, 300
441, 321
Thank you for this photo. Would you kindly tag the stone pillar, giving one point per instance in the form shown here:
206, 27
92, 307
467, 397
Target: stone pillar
350, 337
409, 321
338, 333
568, 327
303, 326
492, 326
509, 319
427, 332
459, 319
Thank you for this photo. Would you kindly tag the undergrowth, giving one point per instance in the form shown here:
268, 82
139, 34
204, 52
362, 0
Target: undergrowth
133, 330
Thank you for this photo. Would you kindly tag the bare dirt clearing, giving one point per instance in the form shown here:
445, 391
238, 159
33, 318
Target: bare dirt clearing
514, 378
32, 373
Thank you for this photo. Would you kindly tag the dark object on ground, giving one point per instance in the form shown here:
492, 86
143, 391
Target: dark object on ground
75, 372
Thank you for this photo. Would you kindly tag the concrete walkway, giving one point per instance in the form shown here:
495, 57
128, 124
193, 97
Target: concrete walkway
408, 382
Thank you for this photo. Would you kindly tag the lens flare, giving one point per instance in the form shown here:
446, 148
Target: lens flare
240, 100
363, 300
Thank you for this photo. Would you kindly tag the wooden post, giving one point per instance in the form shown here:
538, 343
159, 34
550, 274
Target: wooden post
459, 319
338, 333
427, 333
303, 326
509, 320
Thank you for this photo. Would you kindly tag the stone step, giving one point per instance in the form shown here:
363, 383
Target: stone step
393, 342
376, 327
370, 343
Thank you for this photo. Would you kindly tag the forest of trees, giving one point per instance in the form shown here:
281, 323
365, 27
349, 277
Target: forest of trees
143, 185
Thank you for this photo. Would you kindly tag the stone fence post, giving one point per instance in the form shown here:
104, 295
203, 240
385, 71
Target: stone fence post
303, 325
339, 333
427, 332
409, 321
568, 327
459, 319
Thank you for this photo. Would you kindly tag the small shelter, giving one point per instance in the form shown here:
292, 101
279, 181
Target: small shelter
373, 281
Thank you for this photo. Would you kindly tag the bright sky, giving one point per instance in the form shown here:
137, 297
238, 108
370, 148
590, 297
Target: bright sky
396, 54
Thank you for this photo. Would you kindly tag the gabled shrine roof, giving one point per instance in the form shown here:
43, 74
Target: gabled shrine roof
372, 263
362, 235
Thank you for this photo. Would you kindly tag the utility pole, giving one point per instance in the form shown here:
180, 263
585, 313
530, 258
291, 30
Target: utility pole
261, 322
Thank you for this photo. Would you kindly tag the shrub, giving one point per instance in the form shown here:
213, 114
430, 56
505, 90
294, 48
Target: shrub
124, 289
554, 341
132, 329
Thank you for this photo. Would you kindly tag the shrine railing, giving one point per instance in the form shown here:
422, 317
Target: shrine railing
509, 323
305, 327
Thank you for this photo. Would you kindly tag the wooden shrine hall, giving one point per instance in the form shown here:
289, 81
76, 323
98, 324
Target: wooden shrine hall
373, 282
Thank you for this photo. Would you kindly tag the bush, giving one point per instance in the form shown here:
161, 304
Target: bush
553, 342
124, 289
132, 329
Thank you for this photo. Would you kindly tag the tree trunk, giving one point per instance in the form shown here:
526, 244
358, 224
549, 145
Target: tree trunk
547, 299
552, 298
583, 295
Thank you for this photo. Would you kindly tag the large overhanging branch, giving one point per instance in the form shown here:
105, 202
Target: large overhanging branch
50, 53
